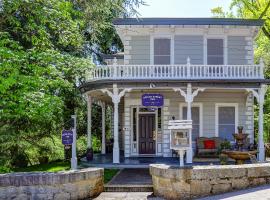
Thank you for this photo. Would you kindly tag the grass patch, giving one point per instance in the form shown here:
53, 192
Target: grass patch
49, 167
109, 174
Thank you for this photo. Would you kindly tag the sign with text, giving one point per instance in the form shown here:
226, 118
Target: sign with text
67, 137
152, 100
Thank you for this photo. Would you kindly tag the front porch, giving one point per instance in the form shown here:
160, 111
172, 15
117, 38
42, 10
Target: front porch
212, 99
106, 161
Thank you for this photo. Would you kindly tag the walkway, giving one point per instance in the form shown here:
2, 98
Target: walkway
258, 193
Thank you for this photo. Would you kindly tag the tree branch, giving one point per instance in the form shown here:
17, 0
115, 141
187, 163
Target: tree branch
265, 10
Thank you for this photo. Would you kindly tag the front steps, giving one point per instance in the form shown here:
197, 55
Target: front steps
128, 188
130, 180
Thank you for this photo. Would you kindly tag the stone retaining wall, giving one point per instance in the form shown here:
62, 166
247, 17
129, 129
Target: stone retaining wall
198, 181
77, 184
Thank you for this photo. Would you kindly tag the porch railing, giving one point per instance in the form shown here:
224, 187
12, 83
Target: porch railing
176, 72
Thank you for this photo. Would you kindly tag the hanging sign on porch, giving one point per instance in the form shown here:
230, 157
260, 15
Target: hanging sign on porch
67, 137
152, 100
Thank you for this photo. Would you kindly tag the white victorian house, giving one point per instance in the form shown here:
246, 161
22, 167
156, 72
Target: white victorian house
199, 69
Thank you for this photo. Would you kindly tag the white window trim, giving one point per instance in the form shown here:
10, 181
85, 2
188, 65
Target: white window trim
200, 105
225, 47
217, 105
161, 36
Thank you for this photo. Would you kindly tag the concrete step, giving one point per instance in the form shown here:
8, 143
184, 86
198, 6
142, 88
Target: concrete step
128, 188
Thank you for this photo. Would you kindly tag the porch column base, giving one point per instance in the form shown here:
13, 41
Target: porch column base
189, 156
261, 154
116, 155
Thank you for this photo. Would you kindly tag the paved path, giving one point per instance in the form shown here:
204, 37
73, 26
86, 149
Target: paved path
127, 196
258, 193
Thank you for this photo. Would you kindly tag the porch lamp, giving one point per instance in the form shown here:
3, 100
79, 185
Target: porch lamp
180, 137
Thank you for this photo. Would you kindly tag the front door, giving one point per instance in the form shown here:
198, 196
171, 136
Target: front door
147, 125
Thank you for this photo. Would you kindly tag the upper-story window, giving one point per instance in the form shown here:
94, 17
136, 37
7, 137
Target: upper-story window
215, 52
162, 51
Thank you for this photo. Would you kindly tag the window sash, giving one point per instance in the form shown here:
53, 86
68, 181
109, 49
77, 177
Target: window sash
162, 51
215, 56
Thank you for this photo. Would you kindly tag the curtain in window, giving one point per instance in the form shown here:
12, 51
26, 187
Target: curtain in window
226, 122
215, 52
162, 51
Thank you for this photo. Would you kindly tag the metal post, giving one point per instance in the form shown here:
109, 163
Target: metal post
74, 155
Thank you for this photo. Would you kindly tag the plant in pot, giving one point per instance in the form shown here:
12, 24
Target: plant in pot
223, 158
89, 154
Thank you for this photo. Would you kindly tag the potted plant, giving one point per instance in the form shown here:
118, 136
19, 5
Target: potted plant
89, 154
223, 158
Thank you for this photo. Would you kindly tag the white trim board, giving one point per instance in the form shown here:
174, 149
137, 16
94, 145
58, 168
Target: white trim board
217, 105
200, 105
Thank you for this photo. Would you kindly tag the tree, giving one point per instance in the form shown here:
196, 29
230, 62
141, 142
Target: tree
255, 9
45, 53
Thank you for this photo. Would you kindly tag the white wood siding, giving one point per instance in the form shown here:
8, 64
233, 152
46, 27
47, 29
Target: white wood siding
139, 50
207, 99
188, 46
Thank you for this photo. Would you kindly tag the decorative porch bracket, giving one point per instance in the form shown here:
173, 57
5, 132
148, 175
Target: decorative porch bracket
259, 94
116, 97
189, 96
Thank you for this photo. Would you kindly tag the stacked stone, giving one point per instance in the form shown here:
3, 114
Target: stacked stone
78, 184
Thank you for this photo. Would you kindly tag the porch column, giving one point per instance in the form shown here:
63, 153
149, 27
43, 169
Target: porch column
89, 121
259, 94
116, 96
103, 142
189, 96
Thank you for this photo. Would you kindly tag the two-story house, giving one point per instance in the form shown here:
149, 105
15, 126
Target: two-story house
201, 69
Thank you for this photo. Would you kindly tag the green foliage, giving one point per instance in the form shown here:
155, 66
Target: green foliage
45, 53
257, 9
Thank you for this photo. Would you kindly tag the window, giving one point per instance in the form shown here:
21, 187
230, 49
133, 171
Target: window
195, 114
162, 51
215, 52
226, 121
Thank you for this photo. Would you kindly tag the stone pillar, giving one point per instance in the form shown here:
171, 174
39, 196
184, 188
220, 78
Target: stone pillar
89, 121
103, 142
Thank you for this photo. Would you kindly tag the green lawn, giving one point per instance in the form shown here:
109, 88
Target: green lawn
55, 167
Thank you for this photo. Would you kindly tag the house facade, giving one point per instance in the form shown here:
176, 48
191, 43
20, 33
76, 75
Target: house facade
199, 69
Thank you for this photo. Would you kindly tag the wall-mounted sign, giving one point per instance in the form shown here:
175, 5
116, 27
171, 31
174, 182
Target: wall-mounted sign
152, 100
67, 137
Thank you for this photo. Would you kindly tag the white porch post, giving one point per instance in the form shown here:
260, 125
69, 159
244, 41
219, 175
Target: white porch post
116, 96
260, 98
189, 96
89, 121
103, 142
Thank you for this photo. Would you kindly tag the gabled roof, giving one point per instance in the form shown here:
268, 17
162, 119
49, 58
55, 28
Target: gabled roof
189, 21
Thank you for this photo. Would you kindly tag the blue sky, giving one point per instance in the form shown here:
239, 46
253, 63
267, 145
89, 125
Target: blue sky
181, 8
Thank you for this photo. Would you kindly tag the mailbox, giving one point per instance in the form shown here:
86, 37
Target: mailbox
180, 136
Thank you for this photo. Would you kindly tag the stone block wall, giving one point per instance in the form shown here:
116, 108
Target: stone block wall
199, 181
77, 184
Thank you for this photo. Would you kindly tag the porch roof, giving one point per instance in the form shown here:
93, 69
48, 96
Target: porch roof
133, 83
189, 21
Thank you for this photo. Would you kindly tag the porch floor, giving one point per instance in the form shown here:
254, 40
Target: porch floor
106, 161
